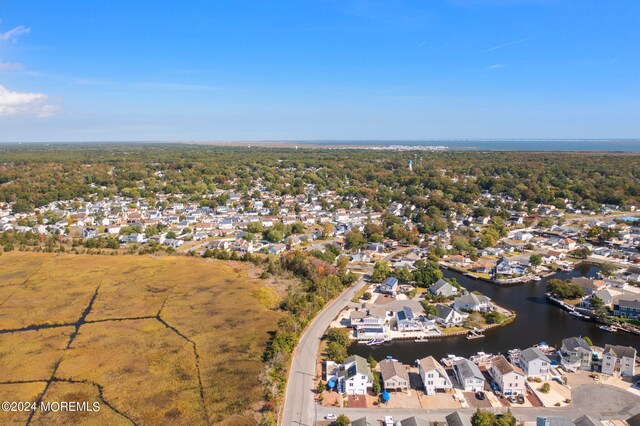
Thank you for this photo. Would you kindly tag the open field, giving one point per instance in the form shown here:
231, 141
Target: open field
155, 340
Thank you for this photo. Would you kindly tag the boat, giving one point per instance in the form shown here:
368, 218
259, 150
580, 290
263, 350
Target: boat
537, 279
375, 342
473, 334
607, 328
421, 339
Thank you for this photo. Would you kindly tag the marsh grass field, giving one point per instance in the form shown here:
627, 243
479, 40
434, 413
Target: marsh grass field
156, 340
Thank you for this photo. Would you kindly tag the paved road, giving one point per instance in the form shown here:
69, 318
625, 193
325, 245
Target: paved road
299, 405
598, 400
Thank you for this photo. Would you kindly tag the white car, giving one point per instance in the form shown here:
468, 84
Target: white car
331, 417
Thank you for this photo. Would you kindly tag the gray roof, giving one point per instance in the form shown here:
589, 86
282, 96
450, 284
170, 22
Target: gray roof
587, 420
413, 421
360, 366
574, 343
443, 287
472, 299
467, 369
531, 354
620, 351
429, 364
554, 421
629, 303
362, 421
390, 369
458, 419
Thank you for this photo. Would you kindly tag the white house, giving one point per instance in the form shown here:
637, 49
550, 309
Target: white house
510, 379
352, 377
468, 375
434, 376
535, 363
447, 316
389, 286
441, 287
618, 360
473, 302
575, 354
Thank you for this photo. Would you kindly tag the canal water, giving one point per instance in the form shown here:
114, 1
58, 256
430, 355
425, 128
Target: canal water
537, 321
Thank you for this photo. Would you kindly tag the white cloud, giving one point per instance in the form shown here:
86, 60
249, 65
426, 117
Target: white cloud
497, 66
8, 66
14, 33
25, 103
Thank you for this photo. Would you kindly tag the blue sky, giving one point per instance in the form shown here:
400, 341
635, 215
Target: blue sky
325, 69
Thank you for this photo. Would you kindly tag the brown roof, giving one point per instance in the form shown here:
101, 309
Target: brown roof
390, 369
429, 363
504, 366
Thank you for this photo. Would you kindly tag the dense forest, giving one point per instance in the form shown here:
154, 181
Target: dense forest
35, 175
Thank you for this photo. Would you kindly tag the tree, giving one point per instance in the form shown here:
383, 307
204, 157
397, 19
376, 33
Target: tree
336, 352
354, 239
545, 388
381, 271
403, 275
343, 420
608, 269
483, 418
506, 419
535, 260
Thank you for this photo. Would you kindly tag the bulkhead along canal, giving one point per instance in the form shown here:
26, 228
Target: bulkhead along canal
537, 321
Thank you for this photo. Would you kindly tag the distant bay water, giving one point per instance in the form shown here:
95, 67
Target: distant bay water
610, 145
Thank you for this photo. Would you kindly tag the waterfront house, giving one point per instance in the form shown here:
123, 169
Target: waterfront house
589, 285
576, 354
473, 302
407, 321
443, 288
389, 286
535, 363
434, 376
468, 375
394, 375
627, 308
447, 316
503, 267
369, 323
510, 379
352, 377
619, 361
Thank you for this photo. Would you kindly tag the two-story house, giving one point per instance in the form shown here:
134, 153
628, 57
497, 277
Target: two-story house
352, 377
394, 375
576, 354
434, 376
619, 360
510, 379
535, 363
468, 375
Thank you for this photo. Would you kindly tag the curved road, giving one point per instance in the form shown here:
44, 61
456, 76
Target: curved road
299, 405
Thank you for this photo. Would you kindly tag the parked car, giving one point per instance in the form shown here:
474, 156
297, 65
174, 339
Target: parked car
331, 417
480, 395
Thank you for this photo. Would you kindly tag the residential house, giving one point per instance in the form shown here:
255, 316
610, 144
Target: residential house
627, 308
619, 361
369, 323
588, 284
434, 376
352, 377
576, 354
510, 379
407, 321
389, 286
468, 375
394, 375
447, 316
535, 363
443, 288
473, 302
